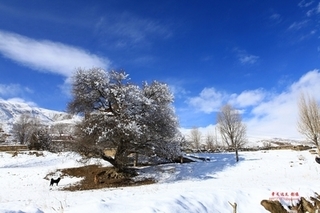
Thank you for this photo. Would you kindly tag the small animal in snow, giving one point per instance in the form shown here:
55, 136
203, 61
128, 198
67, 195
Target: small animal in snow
54, 181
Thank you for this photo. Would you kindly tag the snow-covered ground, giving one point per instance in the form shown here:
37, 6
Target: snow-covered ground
193, 187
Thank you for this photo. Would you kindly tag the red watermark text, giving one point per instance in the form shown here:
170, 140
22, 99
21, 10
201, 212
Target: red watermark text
284, 196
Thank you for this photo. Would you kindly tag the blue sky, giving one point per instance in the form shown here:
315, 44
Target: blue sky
256, 55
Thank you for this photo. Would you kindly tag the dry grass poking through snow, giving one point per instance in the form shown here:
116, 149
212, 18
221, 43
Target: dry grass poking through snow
108, 178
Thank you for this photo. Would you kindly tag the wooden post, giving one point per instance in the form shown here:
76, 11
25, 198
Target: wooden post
234, 206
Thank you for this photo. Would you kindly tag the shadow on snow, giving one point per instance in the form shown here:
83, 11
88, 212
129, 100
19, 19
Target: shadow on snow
202, 170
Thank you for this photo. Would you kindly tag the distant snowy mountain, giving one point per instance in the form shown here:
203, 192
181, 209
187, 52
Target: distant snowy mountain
275, 142
10, 111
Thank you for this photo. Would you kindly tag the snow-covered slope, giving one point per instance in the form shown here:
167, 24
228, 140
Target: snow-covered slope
10, 111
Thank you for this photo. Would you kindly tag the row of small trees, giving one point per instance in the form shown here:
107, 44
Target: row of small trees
210, 142
231, 129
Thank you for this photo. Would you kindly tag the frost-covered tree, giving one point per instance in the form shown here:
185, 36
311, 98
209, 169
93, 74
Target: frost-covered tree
232, 130
124, 116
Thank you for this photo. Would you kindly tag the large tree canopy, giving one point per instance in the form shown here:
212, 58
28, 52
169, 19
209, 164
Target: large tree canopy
122, 115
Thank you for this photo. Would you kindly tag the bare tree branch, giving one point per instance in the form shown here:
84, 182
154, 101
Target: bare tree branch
309, 119
195, 138
232, 130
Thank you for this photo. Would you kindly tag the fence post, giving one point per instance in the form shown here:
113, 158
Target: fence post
234, 206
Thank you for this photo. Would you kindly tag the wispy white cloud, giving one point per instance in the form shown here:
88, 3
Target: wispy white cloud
178, 91
12, 90
127, 29
275, 16
209, 100
248, 98
314, 10
298, 25
246, 58
47, 56
303, 3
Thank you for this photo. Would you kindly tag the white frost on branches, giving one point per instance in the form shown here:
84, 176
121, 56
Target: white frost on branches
134, 119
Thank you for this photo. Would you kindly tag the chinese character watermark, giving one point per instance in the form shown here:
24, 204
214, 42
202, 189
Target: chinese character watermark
284, 195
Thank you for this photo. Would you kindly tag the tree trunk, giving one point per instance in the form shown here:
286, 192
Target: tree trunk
316, 142
234, 207
135, 163
110, 159
120, 158
121, 155
237, 154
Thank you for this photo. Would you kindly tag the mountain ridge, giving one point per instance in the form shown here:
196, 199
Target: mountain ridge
11, 110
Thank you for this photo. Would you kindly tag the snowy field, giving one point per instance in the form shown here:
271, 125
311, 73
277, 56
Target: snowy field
195, 187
